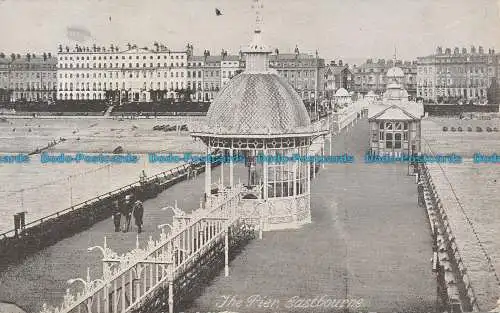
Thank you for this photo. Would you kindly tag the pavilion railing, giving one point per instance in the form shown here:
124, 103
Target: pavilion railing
130, 279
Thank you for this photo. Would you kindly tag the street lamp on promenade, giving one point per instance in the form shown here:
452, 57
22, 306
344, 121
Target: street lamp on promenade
163, 235
87, 283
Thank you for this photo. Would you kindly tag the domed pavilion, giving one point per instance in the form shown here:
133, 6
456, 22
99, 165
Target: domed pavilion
342, 97
259, 116
395, 121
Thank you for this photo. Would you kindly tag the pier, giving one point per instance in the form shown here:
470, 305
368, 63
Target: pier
378, 252
341, 259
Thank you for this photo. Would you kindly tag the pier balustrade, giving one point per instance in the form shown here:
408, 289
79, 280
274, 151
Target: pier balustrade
452, 274
48, 230
150, 276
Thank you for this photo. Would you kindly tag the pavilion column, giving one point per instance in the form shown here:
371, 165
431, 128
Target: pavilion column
295, 179
265, 174
314, 164
222, 168
323, 152
308, 178
266, 191
231, 167
208, 178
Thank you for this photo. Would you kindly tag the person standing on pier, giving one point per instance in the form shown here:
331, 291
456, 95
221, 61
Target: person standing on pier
420, 189
127, 212
116, 212
138, 213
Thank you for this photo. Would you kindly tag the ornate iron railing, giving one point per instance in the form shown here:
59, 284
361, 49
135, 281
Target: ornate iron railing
130, 279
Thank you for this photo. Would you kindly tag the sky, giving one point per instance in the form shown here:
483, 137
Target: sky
338, 29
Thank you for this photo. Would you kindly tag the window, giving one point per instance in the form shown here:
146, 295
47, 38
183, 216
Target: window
381, 135
388, 126
397, 141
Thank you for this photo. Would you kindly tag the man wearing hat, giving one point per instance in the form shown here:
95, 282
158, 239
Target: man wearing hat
138, 212
127, 211
116, 212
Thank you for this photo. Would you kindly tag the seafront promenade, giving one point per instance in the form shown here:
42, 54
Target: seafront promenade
377, 252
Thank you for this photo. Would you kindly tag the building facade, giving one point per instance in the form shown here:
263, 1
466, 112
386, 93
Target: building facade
195, 77
371, 76
133, 74
144, 74
212, 77
32, 78
231, 65
4, 78
304, 72
458, 76
337, 75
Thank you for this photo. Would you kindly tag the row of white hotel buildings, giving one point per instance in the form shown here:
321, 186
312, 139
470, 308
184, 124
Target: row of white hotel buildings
141, 74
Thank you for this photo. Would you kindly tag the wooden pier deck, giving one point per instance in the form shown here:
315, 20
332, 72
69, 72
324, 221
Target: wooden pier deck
368, 241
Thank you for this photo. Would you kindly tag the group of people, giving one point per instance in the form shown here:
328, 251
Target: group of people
126, 209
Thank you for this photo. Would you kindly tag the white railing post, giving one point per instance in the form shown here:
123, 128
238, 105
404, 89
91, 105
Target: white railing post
226, 250
171, 279
261, 215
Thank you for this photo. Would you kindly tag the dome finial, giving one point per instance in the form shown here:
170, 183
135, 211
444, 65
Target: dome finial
256, 53
257, 6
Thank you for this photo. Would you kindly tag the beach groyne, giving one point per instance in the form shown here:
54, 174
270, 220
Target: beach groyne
456, 110
16, 244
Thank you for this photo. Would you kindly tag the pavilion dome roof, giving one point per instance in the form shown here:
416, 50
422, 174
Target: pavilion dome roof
342, 93
257, 103
395, 72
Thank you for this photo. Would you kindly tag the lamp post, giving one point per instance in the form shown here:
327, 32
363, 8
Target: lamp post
162, 227
87, 286
86, 283
105, 254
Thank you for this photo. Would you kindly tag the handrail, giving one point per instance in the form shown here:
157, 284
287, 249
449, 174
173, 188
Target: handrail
95, 199
152, 248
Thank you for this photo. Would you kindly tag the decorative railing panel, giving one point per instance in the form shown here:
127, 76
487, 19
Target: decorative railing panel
130, 279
